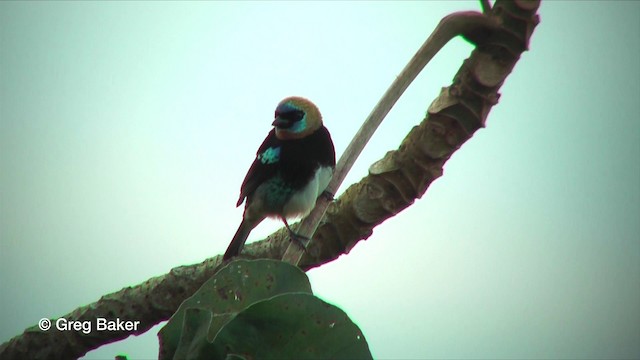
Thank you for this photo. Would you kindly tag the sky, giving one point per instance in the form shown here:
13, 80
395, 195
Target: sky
126, 129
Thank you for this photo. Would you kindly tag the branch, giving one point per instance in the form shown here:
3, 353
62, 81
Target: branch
404, 175
460, 23
393, 184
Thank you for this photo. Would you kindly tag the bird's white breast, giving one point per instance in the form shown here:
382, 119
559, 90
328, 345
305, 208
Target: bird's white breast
304, 200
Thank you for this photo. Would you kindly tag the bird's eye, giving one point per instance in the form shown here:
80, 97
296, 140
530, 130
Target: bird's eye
294, 115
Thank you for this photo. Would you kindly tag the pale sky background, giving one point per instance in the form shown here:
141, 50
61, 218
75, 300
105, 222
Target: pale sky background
127, 128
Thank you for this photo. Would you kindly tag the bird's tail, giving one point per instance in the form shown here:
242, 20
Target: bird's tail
239, 238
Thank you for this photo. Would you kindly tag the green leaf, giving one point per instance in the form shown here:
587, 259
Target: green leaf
290, 326
195, 328
232, 289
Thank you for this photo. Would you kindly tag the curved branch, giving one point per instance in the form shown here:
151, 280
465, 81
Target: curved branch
460, 23
404, 175
393, 184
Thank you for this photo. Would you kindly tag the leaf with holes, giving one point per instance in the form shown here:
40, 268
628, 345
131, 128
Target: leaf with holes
232, 289
287, 326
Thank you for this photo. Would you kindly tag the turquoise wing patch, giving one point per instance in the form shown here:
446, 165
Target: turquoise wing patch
270, 156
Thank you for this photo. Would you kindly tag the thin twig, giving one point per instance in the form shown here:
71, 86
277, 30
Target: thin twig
459, 23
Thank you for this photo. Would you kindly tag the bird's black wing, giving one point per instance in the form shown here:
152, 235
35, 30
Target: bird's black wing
260, 170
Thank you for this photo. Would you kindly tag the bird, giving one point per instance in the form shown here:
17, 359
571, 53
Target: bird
292, 168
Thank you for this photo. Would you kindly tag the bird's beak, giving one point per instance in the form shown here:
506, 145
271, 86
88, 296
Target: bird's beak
281, 123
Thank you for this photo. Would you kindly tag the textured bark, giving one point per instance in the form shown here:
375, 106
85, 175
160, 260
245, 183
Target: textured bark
393, 184
451, 26
403, 175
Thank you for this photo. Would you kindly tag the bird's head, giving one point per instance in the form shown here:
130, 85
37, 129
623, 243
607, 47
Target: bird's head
295, 118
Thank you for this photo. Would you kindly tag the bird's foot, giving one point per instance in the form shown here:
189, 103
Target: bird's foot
300, 239
294, 236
